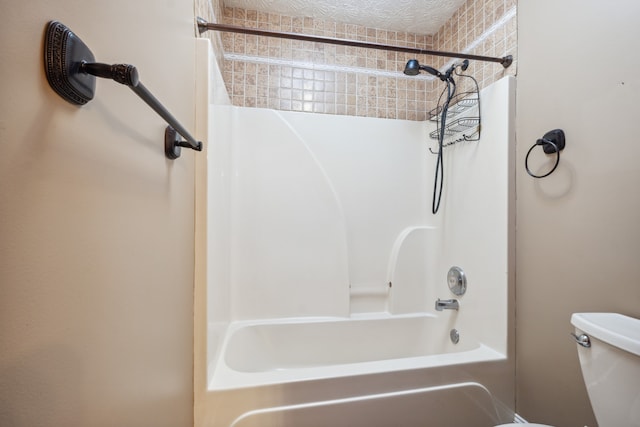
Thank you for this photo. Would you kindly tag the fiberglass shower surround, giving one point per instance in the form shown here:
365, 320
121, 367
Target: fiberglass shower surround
307, 299
320, 239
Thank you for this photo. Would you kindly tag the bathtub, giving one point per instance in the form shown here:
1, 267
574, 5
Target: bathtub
366, 370
256, 353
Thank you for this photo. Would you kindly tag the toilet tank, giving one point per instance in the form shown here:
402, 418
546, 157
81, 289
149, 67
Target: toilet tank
611, 366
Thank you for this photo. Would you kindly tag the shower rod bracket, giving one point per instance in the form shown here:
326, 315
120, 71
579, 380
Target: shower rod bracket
71, 71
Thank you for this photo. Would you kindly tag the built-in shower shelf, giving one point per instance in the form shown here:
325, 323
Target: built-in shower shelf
467, 126
459, 104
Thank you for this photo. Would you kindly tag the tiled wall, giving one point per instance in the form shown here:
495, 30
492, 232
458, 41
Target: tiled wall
323, 78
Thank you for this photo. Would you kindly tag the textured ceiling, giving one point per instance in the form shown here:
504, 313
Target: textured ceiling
415, 16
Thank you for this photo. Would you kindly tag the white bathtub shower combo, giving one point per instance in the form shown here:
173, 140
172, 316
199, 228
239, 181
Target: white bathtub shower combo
320, 265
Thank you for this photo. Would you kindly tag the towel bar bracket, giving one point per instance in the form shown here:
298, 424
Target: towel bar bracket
172, 143
71, 71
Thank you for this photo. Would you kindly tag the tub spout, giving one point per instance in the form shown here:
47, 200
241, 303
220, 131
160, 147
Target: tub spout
447, 304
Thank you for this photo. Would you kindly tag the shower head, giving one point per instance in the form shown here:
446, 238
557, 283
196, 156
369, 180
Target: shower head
413, 68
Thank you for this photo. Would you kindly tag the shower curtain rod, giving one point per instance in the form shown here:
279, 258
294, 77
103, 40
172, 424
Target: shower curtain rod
203, 26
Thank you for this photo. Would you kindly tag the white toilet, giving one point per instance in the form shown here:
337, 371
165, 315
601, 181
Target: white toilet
609, 353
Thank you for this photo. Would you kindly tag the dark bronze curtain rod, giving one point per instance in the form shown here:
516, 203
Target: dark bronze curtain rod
203, 26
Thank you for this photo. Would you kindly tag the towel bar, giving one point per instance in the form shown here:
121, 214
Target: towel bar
71, 70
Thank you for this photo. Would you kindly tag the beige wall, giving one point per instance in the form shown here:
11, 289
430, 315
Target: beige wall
96, 226
578, 239
322, 78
